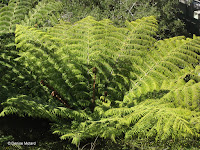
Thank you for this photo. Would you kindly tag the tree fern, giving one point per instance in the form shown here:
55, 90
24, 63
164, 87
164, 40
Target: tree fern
153, 86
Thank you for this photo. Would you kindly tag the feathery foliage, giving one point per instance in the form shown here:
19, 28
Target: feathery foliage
12, 73
153, 86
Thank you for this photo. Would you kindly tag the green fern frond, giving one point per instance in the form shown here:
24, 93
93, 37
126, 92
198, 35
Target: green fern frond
23, 105
13, 14
46, 13
67, 113
163, 124
159, 70
186, 96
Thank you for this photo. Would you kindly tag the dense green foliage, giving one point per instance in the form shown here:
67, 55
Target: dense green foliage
153, 86
166, 12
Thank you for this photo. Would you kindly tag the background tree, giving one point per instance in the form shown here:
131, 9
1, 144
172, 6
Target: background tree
166, 12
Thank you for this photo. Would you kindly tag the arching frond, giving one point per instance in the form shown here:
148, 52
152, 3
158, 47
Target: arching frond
152, 87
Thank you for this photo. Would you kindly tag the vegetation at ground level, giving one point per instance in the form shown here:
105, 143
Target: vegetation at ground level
77, 75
